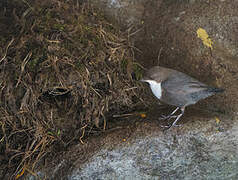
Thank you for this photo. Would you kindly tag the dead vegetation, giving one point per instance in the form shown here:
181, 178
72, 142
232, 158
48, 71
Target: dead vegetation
64, 72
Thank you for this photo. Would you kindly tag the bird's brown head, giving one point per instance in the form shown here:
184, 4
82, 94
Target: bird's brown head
157, 74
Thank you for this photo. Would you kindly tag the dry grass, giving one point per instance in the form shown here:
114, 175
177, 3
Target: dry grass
65, 71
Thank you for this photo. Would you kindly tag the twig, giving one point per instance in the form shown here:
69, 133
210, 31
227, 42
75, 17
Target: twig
81, 137
5, 54
25, 61
133, 33
159, 54
136, 63
128, 89
122, 115
96, 92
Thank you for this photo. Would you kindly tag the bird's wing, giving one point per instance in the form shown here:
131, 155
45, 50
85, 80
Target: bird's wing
182, 90
182, 84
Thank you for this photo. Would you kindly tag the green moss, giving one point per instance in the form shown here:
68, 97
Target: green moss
137, 71
36, 60
59, 27
124, 64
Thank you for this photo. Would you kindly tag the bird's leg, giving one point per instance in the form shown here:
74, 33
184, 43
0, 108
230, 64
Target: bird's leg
179, 116
175, 116
170, 115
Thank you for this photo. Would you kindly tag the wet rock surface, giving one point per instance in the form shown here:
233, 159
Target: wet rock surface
202, 148
195, 155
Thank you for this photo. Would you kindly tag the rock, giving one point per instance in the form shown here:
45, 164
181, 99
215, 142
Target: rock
193, 151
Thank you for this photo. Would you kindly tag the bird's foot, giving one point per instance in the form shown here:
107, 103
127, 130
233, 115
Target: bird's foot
169, 126
177, 117
163, 117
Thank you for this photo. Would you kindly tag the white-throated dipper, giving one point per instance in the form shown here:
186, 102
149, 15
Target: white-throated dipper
176, 88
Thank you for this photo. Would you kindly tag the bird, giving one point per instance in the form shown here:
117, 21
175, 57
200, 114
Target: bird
177, 89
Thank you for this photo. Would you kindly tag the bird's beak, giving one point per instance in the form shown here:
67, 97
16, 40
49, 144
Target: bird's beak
144, 80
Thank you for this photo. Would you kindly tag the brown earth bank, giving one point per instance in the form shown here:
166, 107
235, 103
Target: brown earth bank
65, 72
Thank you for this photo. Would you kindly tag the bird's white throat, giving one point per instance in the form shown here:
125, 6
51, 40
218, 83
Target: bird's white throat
155, 87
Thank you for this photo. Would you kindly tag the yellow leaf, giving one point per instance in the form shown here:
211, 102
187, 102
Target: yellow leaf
202, 34
217, 120
143, 115
20, 173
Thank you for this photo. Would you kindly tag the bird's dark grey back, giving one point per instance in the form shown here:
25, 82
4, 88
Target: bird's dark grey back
182, 90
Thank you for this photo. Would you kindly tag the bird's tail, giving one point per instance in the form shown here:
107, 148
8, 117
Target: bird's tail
215, 90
